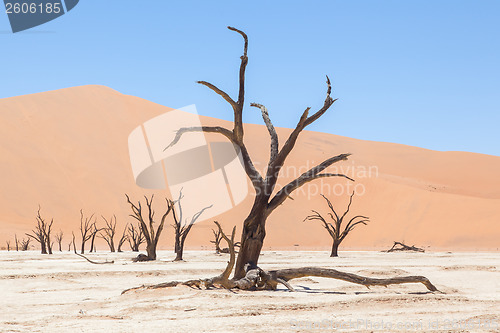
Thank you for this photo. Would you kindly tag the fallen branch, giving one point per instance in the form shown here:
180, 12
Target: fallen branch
84, 257
403, 247
95, 262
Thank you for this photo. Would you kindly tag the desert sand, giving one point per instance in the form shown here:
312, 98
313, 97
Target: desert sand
64, 293
66, 150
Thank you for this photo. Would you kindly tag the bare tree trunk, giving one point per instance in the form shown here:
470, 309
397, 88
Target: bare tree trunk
252, 239
151, 250
335, 249
179, 252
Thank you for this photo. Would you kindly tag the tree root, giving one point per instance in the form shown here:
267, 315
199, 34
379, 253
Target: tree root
259, 279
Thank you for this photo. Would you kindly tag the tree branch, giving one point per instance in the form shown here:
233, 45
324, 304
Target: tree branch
312, 174
275, 166
220, 92
270, 128
250, 169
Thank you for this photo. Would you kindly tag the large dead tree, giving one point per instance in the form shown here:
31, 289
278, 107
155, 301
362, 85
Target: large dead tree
59, 238
337, 230
86, 226
148, 229
182, 227
109, 231
247, 274
41, 233
254, 226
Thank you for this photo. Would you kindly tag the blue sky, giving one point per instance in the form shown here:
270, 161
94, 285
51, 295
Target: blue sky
421, 73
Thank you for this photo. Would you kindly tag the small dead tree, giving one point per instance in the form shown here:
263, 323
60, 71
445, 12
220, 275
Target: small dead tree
94, 233
16, 241
135, 237
122, 240
25, 244
59, 238
335, 229
183, 227
148, 229
41, 233
109, 231
217, 239
8, 245
86, 226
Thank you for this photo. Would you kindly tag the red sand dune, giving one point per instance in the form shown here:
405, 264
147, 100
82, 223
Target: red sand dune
67, 150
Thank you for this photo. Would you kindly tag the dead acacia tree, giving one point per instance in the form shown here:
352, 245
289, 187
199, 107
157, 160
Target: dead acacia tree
182, 227
94, 233
16, 241
86, 226
59, 238
148, 230
135, 237
109, 231
247, 274
8, 245
25, 244
122, 240
217, 239
254, 226
335, 229
41, 233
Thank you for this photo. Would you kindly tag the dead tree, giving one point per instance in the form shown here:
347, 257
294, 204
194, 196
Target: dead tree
41, 233
59, 238
109, 231
398, 246
122, 240
16, 241
247, 274
148, 230
86, 226
182, 227
94, 234
217, 239
135, 237
254, 226
25, 244
335, 229
8, 245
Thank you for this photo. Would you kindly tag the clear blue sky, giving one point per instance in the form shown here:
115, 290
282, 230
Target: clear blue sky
422, 73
